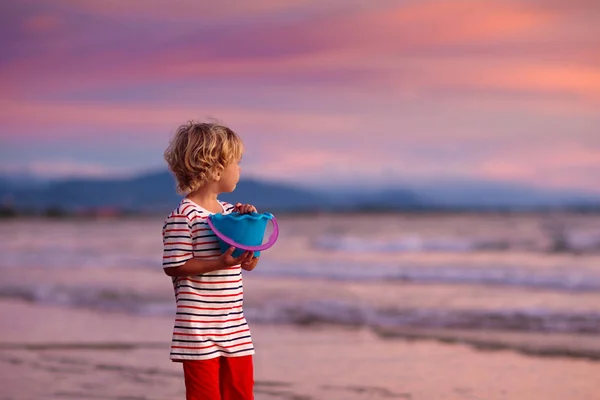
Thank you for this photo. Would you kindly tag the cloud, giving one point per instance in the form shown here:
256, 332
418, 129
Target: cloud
417, 45
200, 10
72, 120
319, 89
42, 23
568, 166
64, 168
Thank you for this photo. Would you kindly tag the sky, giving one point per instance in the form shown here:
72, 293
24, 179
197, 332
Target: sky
342, 92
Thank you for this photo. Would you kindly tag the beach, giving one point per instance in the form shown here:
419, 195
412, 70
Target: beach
429, 182
340, 316
52, 353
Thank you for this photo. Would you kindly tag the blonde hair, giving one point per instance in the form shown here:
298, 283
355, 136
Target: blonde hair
199, 152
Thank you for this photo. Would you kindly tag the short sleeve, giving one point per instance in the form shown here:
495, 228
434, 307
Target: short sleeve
177, 241
227, 207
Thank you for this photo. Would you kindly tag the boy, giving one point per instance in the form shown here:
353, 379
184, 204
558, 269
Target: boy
211, 337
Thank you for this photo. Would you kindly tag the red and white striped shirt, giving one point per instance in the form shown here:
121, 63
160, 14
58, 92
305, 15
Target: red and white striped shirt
209, 321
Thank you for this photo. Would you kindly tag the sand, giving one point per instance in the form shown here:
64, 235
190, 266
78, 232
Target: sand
49, 352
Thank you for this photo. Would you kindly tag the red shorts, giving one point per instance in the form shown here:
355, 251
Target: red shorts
221, 378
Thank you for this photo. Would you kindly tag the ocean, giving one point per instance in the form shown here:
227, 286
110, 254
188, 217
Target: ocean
504, 272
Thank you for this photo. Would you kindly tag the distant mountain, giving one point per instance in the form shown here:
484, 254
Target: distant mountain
153, 192
148, 191
270, 196
5, 186
486, 194
375, 199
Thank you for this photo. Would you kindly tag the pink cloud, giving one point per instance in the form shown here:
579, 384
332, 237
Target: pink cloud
42, 23
63, 168
569, 165
509, 75
154, 120
190, 9
426, 88
414, 43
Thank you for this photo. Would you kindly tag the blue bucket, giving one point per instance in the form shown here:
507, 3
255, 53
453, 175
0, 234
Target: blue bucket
245, 232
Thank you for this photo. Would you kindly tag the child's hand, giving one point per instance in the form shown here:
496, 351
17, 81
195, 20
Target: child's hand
227, 260
250, 264
244, 208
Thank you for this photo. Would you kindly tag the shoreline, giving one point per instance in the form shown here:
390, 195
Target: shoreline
586, 347
560, 346
103, 213
304, 295
530, 344
75, 353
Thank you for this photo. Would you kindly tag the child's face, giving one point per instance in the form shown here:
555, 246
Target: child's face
230, 176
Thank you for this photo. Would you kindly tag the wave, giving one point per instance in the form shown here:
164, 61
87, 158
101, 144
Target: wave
99, 298
559, 279
524, 320
406, 244
57, 258
575, 242
564, 279
309, 312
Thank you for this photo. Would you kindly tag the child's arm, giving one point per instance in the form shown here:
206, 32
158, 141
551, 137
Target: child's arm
197, 266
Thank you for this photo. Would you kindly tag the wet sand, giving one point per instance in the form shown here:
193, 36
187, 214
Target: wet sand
49, 352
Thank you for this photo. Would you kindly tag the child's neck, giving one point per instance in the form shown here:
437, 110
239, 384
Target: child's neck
206, 199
